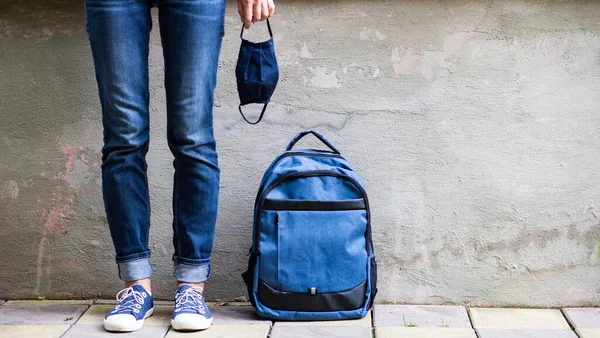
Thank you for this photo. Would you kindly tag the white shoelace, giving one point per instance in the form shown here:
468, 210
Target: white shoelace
134, 304
191, 298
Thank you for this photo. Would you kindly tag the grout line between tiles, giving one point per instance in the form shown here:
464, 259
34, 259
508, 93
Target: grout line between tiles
469, 315
562, 312
471, 321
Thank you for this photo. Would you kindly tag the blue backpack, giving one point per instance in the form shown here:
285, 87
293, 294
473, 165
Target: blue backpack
312, 254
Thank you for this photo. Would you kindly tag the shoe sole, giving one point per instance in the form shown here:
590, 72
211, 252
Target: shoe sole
112, 327
195, 325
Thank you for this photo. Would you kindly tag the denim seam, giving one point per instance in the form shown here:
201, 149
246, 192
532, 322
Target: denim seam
134, 257
194, 262
148, 130
148, 205
176, 208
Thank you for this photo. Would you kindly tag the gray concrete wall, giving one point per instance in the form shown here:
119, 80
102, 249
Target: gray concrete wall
475, 125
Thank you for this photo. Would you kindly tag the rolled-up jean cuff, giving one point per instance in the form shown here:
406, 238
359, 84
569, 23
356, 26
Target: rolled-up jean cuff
191, 273
135, 269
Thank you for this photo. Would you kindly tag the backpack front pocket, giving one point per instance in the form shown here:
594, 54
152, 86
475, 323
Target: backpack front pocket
319, 249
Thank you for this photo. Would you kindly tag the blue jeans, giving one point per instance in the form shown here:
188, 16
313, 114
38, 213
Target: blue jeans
191, 33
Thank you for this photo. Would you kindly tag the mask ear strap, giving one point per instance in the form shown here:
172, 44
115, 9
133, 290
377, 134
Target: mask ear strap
268, 26
262, 113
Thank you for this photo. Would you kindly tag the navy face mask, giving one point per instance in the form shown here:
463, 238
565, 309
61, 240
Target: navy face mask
256, 72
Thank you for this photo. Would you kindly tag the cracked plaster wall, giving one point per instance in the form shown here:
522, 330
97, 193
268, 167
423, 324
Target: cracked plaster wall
474, 123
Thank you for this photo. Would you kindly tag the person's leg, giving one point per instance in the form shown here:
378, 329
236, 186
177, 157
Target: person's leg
191, 33
119, 33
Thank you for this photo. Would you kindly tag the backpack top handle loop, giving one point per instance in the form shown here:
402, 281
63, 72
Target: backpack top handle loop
317, 135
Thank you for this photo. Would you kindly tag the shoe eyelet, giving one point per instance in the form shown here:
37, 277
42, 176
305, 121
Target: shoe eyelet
144, 294
136, 311
138, 306
201, 307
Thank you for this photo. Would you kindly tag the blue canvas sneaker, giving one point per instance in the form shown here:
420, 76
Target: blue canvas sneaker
191, 313
135, 305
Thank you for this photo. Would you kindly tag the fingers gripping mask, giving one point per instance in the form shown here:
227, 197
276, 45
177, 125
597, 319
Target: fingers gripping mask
256, 73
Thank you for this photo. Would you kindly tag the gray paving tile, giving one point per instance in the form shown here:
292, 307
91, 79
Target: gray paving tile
97, 331
236, 315
320, 331
36, 302
364, 321
28, 331
225, 331
424, 332
588, 333
583, 318
518, 319
506, 333
41, 315
420, 316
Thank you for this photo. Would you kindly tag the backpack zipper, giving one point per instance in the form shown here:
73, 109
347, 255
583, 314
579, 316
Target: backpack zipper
288, 154
255, 249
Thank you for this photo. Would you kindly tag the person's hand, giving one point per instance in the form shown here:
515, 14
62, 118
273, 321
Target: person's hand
255, 10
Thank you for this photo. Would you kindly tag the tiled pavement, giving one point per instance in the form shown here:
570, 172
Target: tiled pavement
84, 319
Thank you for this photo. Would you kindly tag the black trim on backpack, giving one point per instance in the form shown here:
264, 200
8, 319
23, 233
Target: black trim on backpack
248, 277
373, 273
310, 205
320, 302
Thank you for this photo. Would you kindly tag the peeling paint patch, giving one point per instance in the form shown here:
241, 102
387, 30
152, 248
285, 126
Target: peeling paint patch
54, 219
66, 32
27, 183
77, 167
352, 65
434, 64
304, 53
406, 63
45, 34
10, 189
463, 43
40, 258
79, 175
380, 35
323, 79
364, 34
72, 152
367, 33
